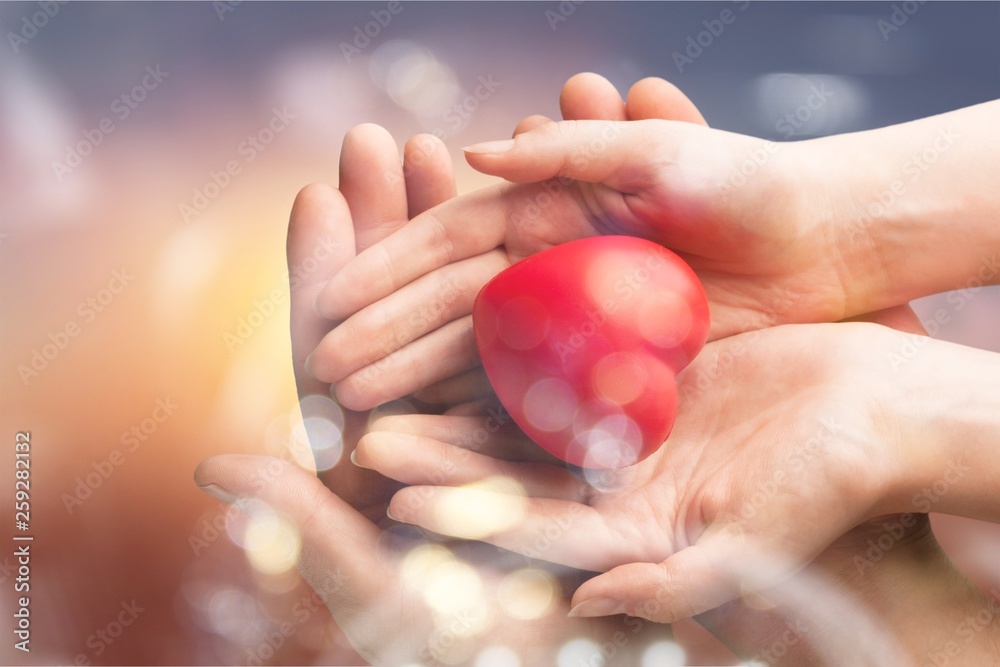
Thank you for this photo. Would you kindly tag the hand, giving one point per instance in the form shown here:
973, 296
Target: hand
338, 542
401, 599
379, 195
444, 613
759, 252
585, 96
781, 446
896, 606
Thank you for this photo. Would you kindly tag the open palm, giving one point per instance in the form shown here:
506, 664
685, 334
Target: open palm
777, 451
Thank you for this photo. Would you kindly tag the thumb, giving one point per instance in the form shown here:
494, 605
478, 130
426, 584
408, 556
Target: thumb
682, 586
694, 580
620, 154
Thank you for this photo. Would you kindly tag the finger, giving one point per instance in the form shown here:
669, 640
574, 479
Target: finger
419, 308
622, 155
417, 460
558, 531
438, 355
429, 174
474, 408
691, 581
320, 242
371, 178
488, 431
656, 98
485, 428
462, 388
339, 554
589, 96
335, 539
530, 123
457, 229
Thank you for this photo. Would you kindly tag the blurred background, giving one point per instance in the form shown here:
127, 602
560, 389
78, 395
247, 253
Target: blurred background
144, 292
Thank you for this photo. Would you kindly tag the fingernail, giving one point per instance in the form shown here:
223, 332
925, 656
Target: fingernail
491, 147
388, 513
354, 460
597, 607
309, 368
219, 493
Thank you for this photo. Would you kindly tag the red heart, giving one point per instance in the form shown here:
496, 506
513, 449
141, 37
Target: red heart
582, 344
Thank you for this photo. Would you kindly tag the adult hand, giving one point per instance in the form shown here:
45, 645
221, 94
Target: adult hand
402, 600
444, 602
760, 253
782, 444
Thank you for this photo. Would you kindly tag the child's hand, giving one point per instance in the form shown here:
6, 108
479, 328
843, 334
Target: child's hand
328, 226
350, 555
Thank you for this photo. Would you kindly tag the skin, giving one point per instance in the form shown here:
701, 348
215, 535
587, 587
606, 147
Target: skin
803, 239
349, 553
365, 593
777, 451
715, 514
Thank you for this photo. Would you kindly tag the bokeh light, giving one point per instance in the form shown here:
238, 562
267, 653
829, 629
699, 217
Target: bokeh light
497, 656
453, 586
613, 442
317, 433
809, 105
233, 613
664, 318
420, 562
619, 378
528, 593
663, 654
197, 279
523, 322
550, 404
482, 508
272, 543
580, 652
414, 78
454, 594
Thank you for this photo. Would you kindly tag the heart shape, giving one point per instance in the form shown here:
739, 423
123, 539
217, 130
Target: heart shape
582, 343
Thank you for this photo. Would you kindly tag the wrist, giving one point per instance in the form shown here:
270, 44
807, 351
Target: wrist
907, 208
946, 404
918, 595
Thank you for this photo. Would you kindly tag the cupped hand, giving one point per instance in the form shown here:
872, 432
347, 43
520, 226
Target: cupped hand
761, 256
781, 446
357, 567
398, 597
352, 554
